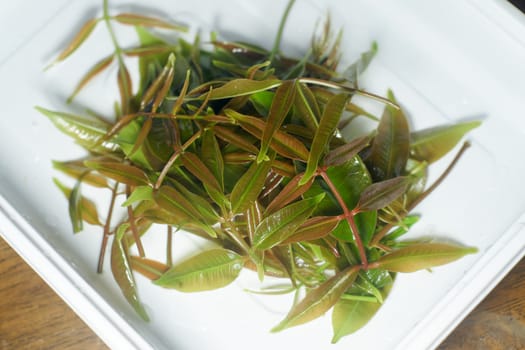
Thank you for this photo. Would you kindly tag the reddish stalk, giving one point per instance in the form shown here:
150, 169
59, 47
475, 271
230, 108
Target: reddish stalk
106, 229
349, 216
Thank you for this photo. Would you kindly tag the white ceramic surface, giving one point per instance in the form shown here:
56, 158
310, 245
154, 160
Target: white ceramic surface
446, 61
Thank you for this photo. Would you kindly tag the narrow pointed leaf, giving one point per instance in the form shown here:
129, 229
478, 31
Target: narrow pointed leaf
75, 209
249, 186
146, 21
390, 148
124, 173
242, 87
433, 143
87, 132
288, 194
346, 152
75, 168
121, 269
148, 268
125, 88
211, 156
78, 39
280, 225
319, 300
327, 125
235, 138
281, 105
88, 209
208, 270
314, 228
139, 194
353, 72
147, 50
198, 169
380, 194
98, 68
307, 107
422, 256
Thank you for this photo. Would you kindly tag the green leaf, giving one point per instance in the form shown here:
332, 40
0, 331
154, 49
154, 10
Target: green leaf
380, 194
319, 300
327, 126
349, 315
346, 152
433, 143
212, 156
121, 269
87, 210
242, 87
198, 169
87, 132
280, 225
249, 186
390, 149
209, 270
281, 104
139, 194
353, 72
422, 256
124, 173
75, 209
307, 107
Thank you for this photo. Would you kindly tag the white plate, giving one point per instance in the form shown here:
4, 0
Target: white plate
445, 60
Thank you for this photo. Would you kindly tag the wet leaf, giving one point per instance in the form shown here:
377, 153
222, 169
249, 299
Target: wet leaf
242, 87
208, 270
319, 300
422, 256
121, 269
98, 68
147, 21
380, 194
77, 40
280, 225
391, 145
249, 186
120, 172
281, 105
327, 125
431, 144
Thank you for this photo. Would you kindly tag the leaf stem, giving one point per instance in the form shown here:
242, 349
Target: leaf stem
349, 215
106, 229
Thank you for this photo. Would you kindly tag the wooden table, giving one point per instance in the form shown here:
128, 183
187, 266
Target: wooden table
32, 316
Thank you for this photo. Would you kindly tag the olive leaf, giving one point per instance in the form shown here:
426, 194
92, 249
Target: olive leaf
120, 172
289, 193
422, 256
125, 88
85, 209
327, 125
139, 194
76, 168
146, 21
319, 300
98, 68
347, 151
121, 269
314, 228
211, 269
242, 87
353, 72
380, 194
280, 225
433, 143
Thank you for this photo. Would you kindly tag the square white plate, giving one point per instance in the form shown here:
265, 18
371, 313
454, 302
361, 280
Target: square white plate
445, 60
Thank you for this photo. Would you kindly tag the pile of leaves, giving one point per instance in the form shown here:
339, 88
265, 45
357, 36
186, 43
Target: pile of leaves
242, 146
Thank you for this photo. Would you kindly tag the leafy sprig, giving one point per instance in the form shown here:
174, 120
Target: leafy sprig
241, 146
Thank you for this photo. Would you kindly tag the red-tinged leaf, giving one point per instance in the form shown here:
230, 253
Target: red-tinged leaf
198, 169
148, 50
391, 145
147, 21
208, 270
346, 152
422, 256
319, 300
380, 194
327, 125
314, 228
242, 87
87, 209
162, 93
121, 269
431, 144
125, 88
141, 137
288, 194
76, 168
77, 40
281, 104
150, 269
212, 156
249, 186
87, 132
277, 227
282, 143
235, 138
98, 68
124, 173
307, 107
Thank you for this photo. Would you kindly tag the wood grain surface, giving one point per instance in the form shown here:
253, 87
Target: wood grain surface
32, 316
